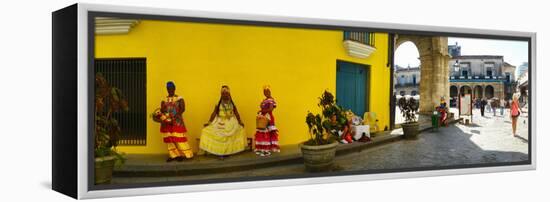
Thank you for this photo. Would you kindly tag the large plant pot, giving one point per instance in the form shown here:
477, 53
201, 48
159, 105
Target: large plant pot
104, 169
410, 130
319, 158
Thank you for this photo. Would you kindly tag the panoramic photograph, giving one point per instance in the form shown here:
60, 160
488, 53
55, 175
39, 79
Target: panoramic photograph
197, 102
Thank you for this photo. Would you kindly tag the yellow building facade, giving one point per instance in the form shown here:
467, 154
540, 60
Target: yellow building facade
298, 64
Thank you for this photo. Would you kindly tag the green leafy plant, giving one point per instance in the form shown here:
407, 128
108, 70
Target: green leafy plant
333, 116
314, 123
408, 108
108, 100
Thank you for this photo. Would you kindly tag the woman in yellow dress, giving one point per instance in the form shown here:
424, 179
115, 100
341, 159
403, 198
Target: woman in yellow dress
224, 133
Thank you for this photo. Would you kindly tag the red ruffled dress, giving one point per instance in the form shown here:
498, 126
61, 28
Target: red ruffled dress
267, 139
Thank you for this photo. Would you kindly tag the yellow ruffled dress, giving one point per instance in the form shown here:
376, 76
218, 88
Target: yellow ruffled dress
224, 136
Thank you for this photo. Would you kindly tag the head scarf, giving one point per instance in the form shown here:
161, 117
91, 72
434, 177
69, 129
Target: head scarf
170, 84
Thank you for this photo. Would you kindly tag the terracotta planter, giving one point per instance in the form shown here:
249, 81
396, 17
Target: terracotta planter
319, 158
104, 169
410, 130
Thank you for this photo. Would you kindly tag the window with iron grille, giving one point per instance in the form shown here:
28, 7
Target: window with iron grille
129, 75
366, 38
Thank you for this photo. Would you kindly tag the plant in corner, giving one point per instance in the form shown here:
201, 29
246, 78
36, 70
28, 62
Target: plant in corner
408, 108
320, 149
108, 100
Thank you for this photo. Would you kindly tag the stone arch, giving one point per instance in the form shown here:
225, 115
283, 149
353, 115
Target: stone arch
478, 91
453, 91
465, 90
489, 91
434, 71
453, 96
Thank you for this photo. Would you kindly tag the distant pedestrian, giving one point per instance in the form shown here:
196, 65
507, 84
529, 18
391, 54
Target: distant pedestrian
502, 106
488, 105
515, 111
494, 106
482, 105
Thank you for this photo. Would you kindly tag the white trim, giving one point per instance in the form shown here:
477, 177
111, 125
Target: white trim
82, 103
532, 99
358, 50
84, 193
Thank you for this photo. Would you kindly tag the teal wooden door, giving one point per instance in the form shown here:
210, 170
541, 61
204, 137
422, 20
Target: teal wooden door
352, 86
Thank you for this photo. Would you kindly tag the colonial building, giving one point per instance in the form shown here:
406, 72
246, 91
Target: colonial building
406, 80
298, 64
484, 76
455, 50
523, 85
522, 69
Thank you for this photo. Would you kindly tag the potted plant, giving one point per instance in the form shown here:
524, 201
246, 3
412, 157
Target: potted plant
320, 149
408, 109
108, 100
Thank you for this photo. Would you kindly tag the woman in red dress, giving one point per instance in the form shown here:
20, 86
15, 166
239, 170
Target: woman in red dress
171, 125
267, 139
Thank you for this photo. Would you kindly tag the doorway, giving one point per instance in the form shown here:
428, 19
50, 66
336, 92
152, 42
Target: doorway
352, 86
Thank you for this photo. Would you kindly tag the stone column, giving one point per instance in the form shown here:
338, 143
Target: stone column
426, 84
434, 59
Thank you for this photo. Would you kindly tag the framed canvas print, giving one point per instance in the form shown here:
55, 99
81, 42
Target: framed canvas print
150, 101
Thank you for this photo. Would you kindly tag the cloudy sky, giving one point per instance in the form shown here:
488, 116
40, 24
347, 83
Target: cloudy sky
514, 52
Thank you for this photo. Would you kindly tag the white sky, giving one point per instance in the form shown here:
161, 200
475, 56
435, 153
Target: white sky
514, 52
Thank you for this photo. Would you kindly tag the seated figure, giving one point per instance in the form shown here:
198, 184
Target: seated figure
442, 109
224, 133
341, 130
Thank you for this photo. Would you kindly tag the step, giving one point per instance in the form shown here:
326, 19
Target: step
154, 165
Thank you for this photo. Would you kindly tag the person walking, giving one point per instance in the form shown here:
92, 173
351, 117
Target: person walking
515, 111
494, 104
482, 105
502, 105
488, 105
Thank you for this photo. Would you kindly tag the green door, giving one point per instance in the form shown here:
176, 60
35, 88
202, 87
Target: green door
352, 86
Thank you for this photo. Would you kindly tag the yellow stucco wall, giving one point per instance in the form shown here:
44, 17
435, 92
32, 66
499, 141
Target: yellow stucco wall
299, 64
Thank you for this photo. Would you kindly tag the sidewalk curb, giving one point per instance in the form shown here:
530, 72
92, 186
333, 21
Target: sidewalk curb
182, 169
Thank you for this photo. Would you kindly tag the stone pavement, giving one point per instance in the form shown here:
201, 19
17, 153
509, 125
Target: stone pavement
487, 140
154, 165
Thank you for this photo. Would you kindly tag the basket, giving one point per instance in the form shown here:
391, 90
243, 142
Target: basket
261, 121
156, 115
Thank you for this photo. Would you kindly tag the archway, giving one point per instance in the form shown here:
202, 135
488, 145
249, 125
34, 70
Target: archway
489, 91
407, 75
478, 91
434, 61
453, 93
465, 90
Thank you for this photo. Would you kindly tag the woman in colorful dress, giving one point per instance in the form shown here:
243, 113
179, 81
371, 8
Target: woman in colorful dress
224, 133
172, 127
442, 109
515, 111
267, 138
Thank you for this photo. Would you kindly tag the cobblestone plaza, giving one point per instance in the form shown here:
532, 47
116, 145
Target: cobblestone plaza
486, 140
